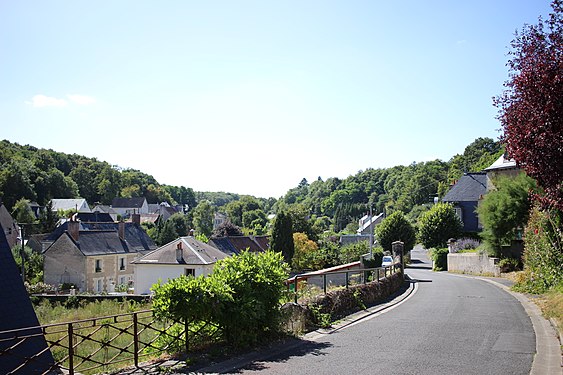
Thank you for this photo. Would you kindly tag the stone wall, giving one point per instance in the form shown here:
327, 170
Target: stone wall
473, 263
339, 303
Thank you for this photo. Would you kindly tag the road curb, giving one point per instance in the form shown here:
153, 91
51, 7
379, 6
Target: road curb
548, 359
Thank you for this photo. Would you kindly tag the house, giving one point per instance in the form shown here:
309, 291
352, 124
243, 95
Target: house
16, 313
127, 206
163, 210
9, 225
80, 205
183, 256
465, 196
106, 210
218, 219
97, 257
367, 223
232, 245
502, 166
95, 217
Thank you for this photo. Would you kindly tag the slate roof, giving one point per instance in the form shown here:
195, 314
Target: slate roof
135, 236
236, 244
99, 242
16, 312
69, 204
94, 217
469, 188
136, 202
194, 252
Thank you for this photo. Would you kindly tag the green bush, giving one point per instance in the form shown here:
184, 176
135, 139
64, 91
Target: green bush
543, 252
242, 296
440, 258
395, 227
438, 225
509, 265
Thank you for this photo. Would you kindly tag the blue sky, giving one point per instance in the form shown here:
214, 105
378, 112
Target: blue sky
249, 97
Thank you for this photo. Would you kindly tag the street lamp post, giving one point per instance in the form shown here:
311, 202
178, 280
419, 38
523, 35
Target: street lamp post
22, 252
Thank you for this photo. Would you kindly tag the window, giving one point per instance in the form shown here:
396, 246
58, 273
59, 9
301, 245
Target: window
459, 213
122, 264
99, 285
189, 272
122, 280
98, 265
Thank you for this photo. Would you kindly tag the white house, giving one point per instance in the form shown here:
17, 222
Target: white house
79, 204
128, 206
183, 256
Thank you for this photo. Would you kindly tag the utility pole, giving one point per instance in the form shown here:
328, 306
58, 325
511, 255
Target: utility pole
370, 234
22, 254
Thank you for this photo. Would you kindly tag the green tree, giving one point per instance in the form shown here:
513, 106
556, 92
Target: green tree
33, 263
22, 213
181, 224
282, 236
48, 218
167, 233
227, 229
504, 210
307, 255
395, 227
203, 218
438, 225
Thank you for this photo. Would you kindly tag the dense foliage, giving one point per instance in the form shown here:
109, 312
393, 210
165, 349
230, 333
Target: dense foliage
438, 225
395, 227
531, 109
282, 236
543, 254
504, 211
242, 296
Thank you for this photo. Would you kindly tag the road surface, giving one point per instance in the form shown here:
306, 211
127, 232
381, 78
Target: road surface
449, 325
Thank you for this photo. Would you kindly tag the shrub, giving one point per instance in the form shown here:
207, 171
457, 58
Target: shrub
508, 265
543, 252
438, 225
353, 252
393, 228
440, 258
465, 244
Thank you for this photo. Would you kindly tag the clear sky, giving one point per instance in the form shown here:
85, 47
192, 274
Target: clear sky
249, 97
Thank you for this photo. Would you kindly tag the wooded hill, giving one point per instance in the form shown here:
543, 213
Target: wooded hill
41, 174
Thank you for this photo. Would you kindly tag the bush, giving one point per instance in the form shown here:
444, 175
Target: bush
440, 258
465, 244
508, 265
242, 296
543, 252
438, 225
393, 228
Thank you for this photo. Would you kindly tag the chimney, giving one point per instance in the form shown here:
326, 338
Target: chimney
136, 218
121, 230
179, 255
73, 229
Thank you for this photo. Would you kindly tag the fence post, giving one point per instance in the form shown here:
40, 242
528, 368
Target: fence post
295, 287
70, 350
187, 341
324, 283
347, 277
378, 275
135, 340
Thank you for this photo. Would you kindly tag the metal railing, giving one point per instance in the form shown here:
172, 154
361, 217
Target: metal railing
105, 343
336, 279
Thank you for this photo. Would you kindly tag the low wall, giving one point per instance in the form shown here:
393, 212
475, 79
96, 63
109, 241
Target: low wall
339, 303
473, 263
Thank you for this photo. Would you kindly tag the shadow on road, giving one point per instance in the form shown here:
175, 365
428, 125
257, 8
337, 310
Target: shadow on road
303, 348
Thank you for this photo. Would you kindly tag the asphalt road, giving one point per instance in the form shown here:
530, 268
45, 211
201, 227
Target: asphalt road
450, 325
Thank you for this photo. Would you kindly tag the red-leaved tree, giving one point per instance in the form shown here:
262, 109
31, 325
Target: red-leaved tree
531, 106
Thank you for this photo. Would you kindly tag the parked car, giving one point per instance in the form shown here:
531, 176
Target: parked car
386, 261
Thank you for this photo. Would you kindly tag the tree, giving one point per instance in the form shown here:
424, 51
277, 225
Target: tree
48, 218
306, 254
167, 233
395, 227
531, 109
438, 225
203, 218
22, 213
282, 236
180, 222
227, 229
504, 211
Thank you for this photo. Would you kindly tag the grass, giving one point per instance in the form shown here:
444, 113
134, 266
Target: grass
551, 304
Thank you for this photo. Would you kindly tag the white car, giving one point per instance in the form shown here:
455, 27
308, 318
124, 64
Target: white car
386, 261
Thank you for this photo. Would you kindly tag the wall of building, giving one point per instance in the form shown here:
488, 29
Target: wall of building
473, 263
110, 275
148, 274
63, 263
